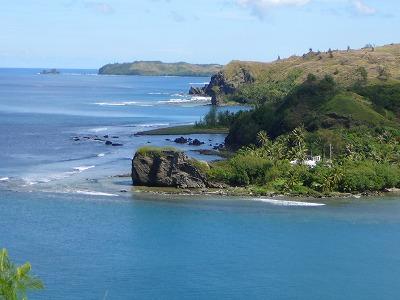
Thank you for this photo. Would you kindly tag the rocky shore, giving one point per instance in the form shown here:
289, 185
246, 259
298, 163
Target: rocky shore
168, 168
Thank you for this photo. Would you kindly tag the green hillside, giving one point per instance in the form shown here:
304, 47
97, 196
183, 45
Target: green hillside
319, 104
158, 68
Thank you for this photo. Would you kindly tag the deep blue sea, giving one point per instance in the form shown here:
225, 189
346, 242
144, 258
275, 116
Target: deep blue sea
63, 209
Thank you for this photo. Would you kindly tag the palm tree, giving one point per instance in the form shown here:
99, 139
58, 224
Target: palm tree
15, 281
262, 138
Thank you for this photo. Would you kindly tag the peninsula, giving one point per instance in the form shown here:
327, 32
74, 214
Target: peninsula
321, 124
158, 68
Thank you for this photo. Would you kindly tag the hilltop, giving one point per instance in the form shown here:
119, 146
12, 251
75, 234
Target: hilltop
246, 82
158, 68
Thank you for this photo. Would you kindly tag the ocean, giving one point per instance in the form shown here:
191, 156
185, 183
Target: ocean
63, 209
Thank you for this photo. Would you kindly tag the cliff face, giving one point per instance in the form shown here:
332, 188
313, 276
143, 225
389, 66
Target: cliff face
166, 168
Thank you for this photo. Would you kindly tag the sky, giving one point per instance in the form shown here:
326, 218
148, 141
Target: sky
89, 34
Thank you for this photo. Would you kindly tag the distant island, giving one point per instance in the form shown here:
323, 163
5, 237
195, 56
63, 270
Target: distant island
158, 68
49, 72
322, 124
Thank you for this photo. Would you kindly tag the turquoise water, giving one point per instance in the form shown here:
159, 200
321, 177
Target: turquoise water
61, 210
213, 248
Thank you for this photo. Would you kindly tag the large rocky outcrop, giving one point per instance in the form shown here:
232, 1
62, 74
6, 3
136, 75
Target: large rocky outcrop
223, 83
167, 168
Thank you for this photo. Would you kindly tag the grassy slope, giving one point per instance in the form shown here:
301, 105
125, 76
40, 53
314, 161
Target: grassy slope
157, 68
342, 66
351, 105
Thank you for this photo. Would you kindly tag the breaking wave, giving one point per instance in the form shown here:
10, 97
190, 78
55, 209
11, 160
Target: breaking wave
287, 202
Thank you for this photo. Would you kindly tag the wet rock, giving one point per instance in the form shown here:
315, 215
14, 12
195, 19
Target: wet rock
108, 143
196, 142
116, 145
181, 140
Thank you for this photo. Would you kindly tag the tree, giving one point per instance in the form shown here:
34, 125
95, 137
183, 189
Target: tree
15, 281
262, 138
361, 76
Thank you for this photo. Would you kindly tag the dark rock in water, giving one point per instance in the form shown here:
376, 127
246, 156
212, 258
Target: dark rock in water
105, 136
148, 142
115, 137
181, 140
109, 143
199, 91
117, 144
168, 140
76, 139
165, 168
196, 142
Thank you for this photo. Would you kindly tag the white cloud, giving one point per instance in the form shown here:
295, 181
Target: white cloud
99, 7
364, 9
261, 7
265, 4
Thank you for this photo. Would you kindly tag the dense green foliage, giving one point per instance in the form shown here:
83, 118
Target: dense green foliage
363, 160
355, 130
158, 68
15, 281
216, 119
320, 104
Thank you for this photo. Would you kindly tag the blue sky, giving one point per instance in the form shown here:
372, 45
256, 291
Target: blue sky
88, 34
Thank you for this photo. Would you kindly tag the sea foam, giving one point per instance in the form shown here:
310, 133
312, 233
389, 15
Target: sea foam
94, 193
83, 168
287, 203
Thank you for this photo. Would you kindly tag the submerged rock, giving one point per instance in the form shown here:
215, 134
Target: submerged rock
196, 142
167, 168
181, 140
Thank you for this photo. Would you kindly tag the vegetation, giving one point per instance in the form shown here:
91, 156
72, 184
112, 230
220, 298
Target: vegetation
216, 119
363, 161
154, 151
318, 105
256, 82
15, 281
158, 68
355, 130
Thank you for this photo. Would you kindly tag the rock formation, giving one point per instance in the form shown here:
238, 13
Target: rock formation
167, 168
